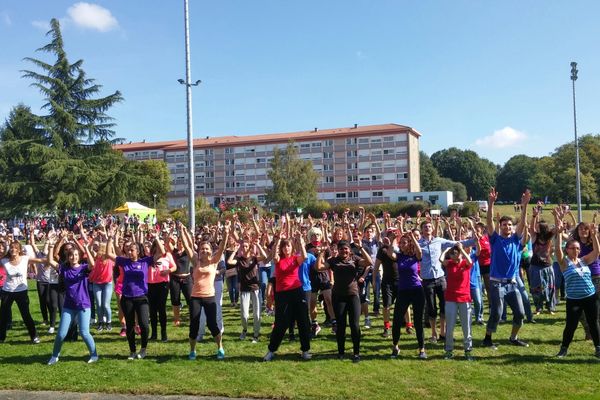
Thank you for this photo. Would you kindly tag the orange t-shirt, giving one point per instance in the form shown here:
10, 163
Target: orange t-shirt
204, 280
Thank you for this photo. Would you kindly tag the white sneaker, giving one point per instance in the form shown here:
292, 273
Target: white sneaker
306, 355
51, 330
132, 356
92, 359
269, 356
142, 354
53, 360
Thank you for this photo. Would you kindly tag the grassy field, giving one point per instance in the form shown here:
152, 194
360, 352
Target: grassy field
508, 373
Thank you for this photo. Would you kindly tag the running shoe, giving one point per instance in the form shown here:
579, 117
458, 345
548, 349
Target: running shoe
220, 354
255, 340
518, 342
138, 330
108, 327
422, 355
243, 335
93, 359
306, 355
395, 352
367, 323
317, 330
469, 355
53, 360
490, 344
142, 354
35, 340
132, 356
386, 333
448, 355
562, 352
269, 356
356, 358
192, 355
123, 332
51, 330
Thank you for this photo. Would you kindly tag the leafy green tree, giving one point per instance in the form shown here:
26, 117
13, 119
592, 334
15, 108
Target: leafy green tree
64, 159
294, 180
431, 180
465, 166
459, 191
517, 174
75, 114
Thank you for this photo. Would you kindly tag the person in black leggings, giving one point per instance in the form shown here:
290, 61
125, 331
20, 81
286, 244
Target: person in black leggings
345, 293
579, 287
410, 290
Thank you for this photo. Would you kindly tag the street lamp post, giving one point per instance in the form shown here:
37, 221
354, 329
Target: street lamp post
190, 135
577, 172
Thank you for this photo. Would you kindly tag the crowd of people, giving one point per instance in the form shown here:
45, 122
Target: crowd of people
424, 272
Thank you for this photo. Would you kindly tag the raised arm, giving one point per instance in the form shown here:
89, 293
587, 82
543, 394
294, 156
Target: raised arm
110, 246
217, 256
492, 197
525, 198
301, 247
90, 258
231, 260
558, 250
466, 255
186, 240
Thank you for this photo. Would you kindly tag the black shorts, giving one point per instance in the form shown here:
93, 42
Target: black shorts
484, 270
388, 291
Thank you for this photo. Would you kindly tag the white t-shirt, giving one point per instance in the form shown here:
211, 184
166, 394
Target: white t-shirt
16, 275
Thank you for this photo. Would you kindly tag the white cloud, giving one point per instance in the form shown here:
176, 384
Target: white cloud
503, 138
42, 25
5, 18
92, 16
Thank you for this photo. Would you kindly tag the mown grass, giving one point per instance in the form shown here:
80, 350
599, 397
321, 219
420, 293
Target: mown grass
508, 373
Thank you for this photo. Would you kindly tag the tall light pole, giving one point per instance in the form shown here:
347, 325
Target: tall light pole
577, 172
190, 134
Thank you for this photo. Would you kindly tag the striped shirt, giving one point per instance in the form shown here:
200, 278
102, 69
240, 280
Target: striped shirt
578, 281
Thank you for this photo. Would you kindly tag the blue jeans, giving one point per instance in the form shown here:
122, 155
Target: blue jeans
103, 295
477, 303
232, 283
525, 299
265, 274
499, 293
83, 321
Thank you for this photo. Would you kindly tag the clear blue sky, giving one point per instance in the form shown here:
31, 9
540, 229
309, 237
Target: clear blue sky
488, 76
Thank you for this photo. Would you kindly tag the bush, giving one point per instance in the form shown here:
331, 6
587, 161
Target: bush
469, 209
207, 217
317, 208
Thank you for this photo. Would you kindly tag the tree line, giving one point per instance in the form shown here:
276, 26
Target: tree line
550, 178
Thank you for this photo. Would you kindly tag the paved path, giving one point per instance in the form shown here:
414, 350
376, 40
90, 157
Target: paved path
47, 395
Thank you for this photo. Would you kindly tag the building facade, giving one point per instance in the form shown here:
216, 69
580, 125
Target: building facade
360, 164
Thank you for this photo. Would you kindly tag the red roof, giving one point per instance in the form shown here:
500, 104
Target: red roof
269, 138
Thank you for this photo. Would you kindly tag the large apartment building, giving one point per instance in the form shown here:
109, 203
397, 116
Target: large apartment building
360, 164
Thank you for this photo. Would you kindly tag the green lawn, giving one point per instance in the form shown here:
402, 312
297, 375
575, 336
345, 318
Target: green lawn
508, 373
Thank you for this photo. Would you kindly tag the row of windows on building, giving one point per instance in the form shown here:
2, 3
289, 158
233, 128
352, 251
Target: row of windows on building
249, 150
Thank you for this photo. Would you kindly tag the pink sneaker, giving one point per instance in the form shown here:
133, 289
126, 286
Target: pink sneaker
123, 332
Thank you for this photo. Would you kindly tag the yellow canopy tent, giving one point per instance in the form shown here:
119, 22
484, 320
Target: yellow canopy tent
130, 208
